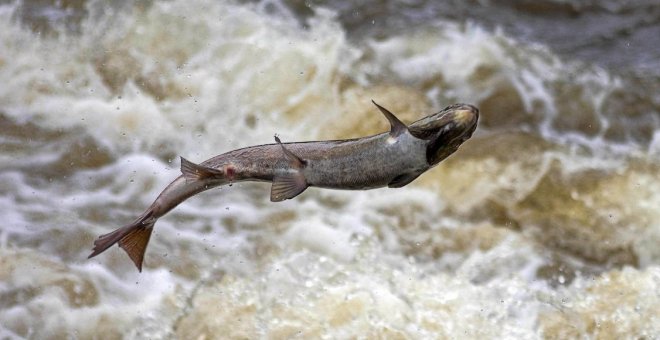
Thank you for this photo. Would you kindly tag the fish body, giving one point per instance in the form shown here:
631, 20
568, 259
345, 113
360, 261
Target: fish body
392, 159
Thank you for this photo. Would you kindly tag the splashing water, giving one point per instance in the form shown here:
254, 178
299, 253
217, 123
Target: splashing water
545, 224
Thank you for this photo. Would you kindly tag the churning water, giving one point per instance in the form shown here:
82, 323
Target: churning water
546, 224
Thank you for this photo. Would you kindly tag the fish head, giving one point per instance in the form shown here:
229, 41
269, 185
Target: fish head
446, 130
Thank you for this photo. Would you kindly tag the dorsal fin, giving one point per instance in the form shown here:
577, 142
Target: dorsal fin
192, 171
397, 126
287, 186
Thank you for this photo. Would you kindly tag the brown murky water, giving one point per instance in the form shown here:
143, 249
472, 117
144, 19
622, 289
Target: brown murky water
546, 224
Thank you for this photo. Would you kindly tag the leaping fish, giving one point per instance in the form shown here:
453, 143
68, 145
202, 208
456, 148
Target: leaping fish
392, 159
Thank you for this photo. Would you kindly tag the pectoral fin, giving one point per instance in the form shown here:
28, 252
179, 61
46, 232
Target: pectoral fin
403, 180
192, 171
397, 126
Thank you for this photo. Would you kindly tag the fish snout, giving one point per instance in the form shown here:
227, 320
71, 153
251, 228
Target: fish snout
461, 122
466, 116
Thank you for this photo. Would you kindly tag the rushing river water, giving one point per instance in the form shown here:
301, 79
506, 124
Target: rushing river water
546, 224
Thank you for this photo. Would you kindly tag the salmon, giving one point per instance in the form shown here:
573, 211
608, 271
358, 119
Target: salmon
390, 159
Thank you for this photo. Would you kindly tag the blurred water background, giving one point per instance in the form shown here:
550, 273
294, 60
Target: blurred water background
546, 224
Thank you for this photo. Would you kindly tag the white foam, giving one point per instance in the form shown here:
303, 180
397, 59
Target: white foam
225, 75
315, 234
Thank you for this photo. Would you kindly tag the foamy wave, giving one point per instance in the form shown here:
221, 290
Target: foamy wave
163, 79
518, 87
492, 243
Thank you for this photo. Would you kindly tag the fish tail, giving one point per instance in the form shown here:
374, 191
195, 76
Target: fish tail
132, 238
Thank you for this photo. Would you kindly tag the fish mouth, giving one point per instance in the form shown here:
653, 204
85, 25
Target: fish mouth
466, 115
460, 122
466, 118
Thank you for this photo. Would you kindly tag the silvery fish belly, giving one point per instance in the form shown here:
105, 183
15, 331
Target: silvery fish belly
360, 222
393, 159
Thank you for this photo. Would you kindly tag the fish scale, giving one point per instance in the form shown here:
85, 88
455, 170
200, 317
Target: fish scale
393, 159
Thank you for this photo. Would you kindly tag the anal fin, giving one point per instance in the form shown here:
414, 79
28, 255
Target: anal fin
287, 186
192, 171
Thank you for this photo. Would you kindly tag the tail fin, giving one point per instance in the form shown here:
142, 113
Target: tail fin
133, 238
